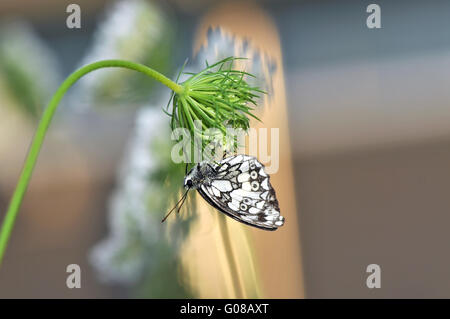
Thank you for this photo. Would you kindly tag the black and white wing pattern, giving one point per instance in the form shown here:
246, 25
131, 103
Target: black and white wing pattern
242, 190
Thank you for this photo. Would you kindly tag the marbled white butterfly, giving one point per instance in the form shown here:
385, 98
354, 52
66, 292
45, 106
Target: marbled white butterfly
239, 187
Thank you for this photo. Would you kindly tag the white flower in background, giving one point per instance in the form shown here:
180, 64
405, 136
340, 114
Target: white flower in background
134, 30
130, 28
121, 257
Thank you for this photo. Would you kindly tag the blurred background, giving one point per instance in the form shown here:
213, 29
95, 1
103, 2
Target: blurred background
368, 122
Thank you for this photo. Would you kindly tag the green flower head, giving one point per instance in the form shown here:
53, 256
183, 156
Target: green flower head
219, 97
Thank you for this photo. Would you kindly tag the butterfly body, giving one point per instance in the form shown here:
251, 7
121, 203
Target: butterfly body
238, 187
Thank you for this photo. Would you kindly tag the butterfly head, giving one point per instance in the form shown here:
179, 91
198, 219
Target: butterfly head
193, 178
198, 175
188, 183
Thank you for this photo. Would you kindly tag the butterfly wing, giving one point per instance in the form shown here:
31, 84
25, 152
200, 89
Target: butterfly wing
242, 190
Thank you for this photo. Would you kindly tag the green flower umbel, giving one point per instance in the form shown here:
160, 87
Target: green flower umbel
218, 96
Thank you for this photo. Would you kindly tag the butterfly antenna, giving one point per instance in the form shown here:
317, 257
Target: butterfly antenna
182, 203
181, 200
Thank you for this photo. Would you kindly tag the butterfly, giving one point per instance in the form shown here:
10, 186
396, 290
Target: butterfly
237, 186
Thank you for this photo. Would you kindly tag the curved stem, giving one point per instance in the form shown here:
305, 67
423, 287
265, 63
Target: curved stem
47, 116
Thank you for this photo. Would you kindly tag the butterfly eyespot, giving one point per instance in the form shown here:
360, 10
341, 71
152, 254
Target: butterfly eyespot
243, 206
253, 175
247, 201
255, 185
279, 223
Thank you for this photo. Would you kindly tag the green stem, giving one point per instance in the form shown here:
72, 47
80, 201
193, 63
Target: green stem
47, 116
